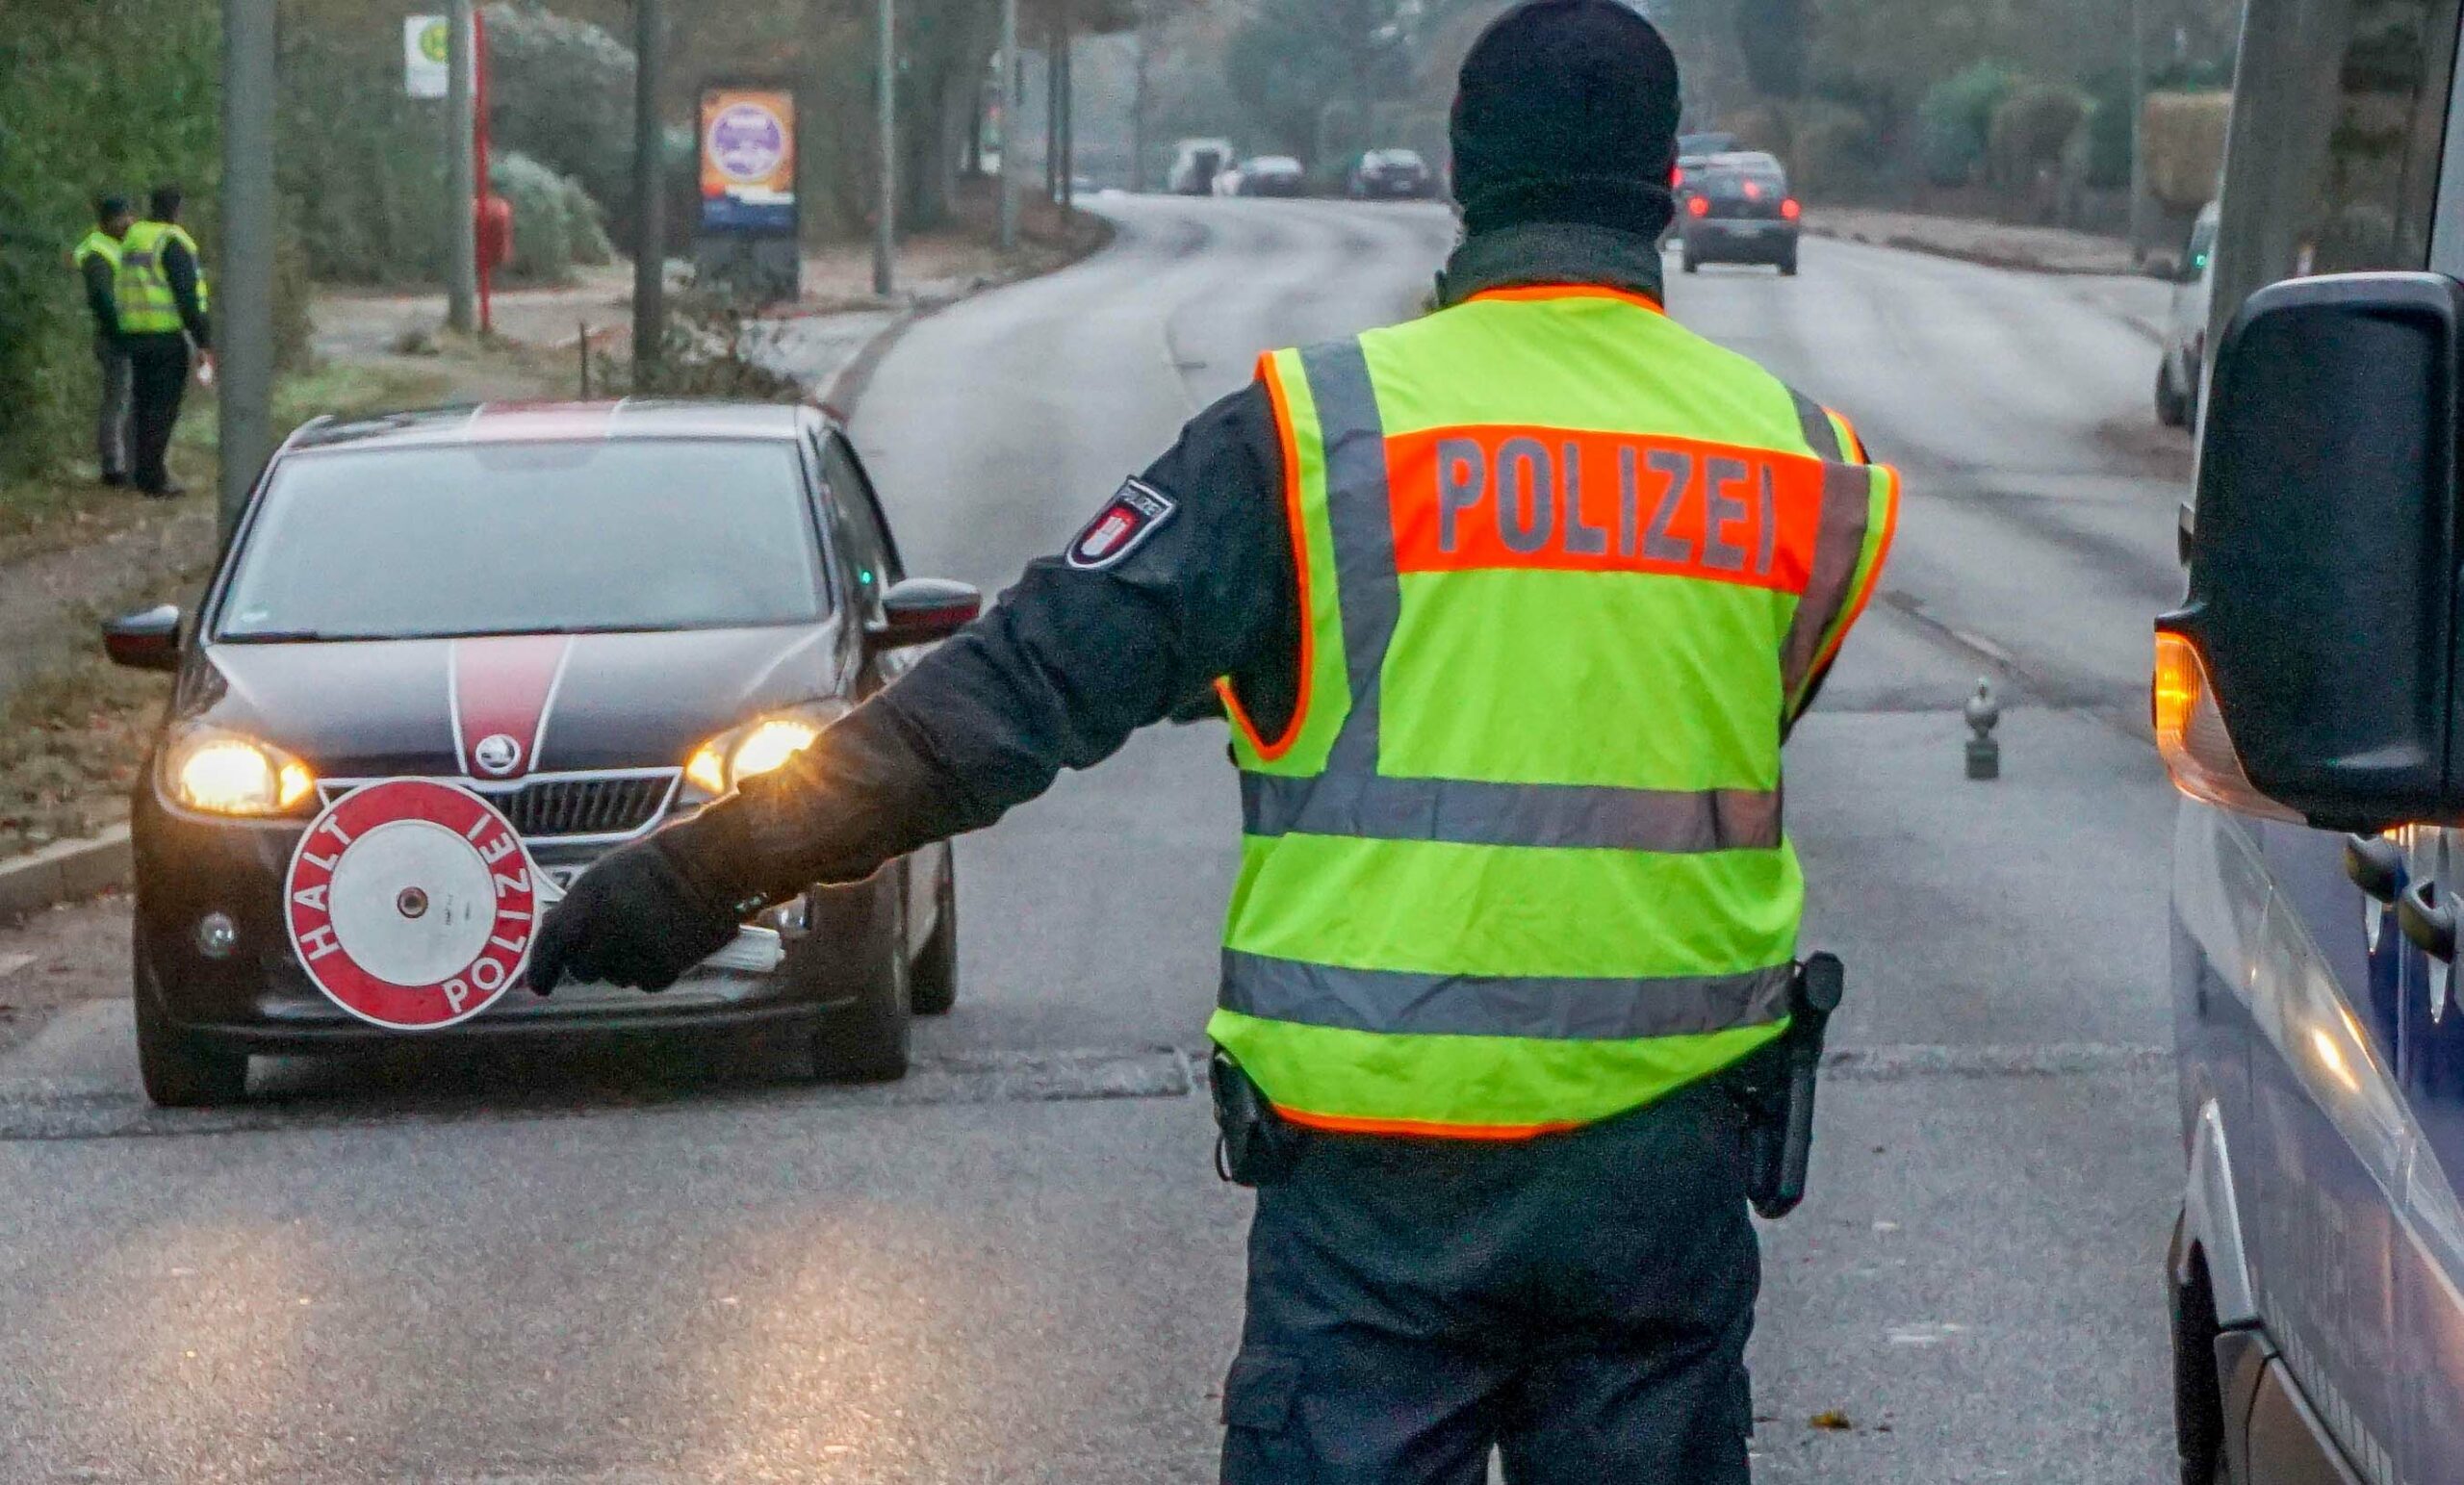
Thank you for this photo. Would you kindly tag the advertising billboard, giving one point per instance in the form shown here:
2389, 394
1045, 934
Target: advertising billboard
748, 160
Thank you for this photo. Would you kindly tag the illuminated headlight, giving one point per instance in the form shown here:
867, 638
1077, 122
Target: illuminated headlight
225, 774
758, 747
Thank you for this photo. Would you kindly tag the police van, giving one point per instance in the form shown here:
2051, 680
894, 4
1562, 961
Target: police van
2309, 703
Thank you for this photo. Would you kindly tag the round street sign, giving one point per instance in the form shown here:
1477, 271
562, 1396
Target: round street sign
411, 904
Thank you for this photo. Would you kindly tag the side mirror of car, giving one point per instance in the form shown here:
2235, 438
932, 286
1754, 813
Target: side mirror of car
919, 610
2310, 674
148, 639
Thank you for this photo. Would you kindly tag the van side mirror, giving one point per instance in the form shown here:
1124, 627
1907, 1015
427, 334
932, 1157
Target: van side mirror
148, 639
2311, 672
919, 610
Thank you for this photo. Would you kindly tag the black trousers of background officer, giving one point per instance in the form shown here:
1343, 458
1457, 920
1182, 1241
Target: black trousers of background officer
1579, 1300
158, 380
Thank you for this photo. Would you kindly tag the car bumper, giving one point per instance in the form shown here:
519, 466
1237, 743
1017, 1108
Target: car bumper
257, 996
1741, 241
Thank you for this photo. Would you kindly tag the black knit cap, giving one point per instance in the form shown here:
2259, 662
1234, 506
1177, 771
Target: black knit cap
1567, 112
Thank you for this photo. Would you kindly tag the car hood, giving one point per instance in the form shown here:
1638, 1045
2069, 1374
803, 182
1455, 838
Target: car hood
507, 707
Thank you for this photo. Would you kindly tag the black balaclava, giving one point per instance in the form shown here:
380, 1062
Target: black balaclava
1567, 113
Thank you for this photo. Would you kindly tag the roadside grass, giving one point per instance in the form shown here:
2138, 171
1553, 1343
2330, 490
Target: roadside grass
70, 744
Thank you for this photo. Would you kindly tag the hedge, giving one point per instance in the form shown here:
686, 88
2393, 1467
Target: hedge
149, 67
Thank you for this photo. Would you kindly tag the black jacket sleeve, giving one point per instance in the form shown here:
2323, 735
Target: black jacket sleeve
179, 266
102, 295
1058, 674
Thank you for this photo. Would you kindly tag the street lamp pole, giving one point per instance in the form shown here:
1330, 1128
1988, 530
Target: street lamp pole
885, 125
244, 307
2142, 229
1008, 125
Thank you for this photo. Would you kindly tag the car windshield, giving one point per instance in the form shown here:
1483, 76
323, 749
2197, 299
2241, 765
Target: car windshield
1733, 182
523, 537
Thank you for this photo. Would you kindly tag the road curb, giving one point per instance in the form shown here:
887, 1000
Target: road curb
66, 871
1917, 245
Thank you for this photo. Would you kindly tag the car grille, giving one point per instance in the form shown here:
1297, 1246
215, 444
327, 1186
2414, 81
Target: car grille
585, 806
547, 808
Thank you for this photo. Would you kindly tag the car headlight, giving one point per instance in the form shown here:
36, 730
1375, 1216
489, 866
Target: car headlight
758, 747
225, 774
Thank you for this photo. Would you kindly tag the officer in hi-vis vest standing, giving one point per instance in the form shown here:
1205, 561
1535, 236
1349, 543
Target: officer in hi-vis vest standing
97, 261
1513, 605
163, 307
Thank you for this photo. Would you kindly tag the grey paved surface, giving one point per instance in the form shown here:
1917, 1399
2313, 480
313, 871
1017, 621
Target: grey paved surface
623, 1265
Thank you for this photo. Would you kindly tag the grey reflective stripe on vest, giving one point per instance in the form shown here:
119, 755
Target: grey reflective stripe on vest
1822, 435
1548, 1008
1839, 544
1360, 512
1468, 812
1351, 798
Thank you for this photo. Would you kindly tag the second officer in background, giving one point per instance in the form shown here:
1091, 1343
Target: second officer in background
162, 305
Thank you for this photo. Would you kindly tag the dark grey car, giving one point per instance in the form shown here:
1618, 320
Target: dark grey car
1737, 209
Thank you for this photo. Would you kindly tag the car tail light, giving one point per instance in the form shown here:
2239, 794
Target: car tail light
2191, 736
1790, 209
1677, 177
1752, 192
1700, 206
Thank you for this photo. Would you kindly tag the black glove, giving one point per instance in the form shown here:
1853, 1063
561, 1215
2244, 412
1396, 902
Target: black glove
640, 917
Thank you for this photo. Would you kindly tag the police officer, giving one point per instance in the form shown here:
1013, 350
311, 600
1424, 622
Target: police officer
1514, 605
162, 303
97, 260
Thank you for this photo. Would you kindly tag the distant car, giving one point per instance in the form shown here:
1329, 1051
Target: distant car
1391, 174
598, 618
1195, 164
1272, 175
1737, 209
2185, 358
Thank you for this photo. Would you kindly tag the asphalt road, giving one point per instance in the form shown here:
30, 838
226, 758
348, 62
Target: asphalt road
624, 1266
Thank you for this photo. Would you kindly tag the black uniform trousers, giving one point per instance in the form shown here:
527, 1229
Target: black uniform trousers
158, 379
1580, 1301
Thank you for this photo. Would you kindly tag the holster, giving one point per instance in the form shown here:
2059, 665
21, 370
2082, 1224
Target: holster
1776, 1086
1254, 1145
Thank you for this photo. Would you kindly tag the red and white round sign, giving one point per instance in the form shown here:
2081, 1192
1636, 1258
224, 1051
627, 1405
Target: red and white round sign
411, 904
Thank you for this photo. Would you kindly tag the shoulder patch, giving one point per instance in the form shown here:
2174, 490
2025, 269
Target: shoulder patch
1137, 511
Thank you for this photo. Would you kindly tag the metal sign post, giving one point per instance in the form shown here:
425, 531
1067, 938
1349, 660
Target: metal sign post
461, 222
484, 189
245, 305
649, 220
